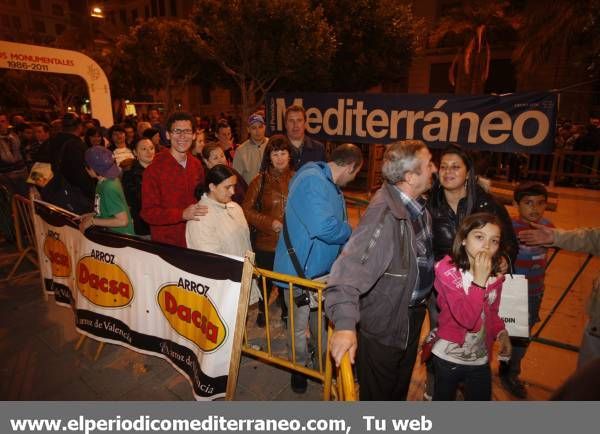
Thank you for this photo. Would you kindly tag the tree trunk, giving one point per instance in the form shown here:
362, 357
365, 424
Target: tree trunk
477, 81
168, 96
471, 83
462, 84
479, 70
169, 89
248, 94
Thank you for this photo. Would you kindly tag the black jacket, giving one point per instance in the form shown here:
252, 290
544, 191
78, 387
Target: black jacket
72, 166
132, 187
311, 150
445, 221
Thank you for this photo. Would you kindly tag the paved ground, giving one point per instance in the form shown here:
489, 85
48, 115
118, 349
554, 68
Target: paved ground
39, 361
38, 338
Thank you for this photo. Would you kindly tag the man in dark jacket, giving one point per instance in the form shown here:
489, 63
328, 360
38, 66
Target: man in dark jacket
41, 132
65, 151
304, 148
383, 278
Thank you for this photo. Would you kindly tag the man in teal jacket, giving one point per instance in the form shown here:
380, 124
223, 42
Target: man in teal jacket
315, 218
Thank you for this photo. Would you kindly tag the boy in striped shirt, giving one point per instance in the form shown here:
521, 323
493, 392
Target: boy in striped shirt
530, 199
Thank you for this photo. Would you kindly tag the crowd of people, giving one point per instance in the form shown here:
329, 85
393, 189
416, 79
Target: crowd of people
578, 137
432, 238
385, 279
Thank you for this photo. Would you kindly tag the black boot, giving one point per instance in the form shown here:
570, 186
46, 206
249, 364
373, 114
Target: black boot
510, 381
513, 385
299, 383
260, 317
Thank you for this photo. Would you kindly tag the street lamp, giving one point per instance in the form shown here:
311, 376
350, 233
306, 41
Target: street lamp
97, 12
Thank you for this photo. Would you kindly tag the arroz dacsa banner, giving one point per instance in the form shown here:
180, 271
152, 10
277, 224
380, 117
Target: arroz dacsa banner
522, 122
156, 299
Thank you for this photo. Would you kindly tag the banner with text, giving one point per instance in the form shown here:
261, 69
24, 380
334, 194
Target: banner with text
161, 300
520, 122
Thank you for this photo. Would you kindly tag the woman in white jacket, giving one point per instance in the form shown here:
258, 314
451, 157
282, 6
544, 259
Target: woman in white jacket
224, 228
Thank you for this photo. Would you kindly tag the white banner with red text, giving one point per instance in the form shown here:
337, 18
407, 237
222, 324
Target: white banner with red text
157, 299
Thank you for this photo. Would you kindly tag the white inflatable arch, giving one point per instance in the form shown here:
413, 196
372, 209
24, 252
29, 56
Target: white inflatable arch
36, 58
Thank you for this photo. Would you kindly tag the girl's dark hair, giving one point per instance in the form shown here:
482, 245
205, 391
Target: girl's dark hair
208, 148
216, 175
475, 221
91, 132
222, 123
278, 142
143, 139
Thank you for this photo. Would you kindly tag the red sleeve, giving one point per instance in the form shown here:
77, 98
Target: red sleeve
465, 307
153, 211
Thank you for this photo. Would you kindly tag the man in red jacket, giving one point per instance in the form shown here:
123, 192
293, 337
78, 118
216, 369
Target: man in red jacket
169, 182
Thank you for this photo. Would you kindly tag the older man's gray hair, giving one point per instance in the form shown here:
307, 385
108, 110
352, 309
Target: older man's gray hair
401, 158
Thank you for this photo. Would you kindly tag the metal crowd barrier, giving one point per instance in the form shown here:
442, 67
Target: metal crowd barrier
562, 164
356, 202
343, 388
25, 239
580, 165
536, 335
7, 229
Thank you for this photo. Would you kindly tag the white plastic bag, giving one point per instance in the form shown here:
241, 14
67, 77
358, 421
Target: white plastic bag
514, 306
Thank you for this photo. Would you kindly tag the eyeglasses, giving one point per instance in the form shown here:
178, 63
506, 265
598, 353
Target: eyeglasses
179, 132
450, 168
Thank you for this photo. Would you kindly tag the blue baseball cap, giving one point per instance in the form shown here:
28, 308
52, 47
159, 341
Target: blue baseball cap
101, 160
255, 118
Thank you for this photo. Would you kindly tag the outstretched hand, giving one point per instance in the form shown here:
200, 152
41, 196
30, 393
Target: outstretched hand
539, 235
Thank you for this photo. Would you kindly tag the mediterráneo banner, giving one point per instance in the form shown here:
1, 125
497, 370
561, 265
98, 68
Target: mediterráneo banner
520, 122
156, 299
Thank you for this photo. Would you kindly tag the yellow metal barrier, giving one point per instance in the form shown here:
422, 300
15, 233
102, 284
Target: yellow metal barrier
356, 202
25, 239
343, 389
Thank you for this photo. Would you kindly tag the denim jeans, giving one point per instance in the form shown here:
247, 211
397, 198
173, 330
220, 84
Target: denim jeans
303, 317
477, 381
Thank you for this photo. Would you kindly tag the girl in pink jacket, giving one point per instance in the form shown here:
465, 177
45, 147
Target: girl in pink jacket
469, 284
